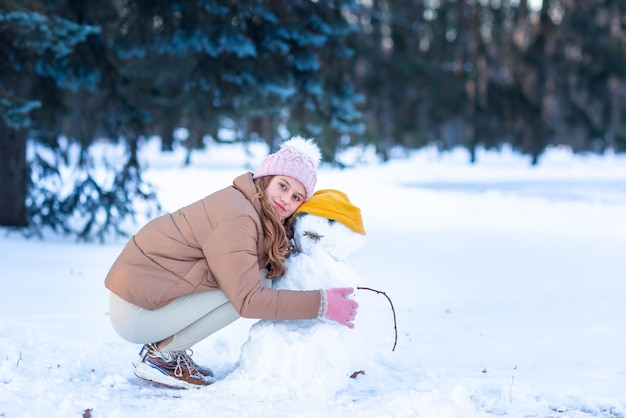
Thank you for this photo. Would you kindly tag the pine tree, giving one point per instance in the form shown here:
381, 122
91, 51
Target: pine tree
63, 67
33, 46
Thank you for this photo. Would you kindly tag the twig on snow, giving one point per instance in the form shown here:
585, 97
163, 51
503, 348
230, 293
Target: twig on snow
395, 327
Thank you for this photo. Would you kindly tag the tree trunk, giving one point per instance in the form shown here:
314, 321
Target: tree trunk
13, 176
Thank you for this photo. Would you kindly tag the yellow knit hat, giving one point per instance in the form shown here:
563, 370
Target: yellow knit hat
335, 205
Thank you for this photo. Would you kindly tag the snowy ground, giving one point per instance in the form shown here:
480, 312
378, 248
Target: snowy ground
507, 282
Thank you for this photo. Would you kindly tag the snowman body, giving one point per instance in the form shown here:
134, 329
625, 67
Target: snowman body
310, 358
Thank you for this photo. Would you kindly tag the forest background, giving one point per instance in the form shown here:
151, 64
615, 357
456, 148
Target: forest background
528, 74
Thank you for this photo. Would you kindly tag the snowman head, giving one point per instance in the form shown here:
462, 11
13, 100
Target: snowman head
329, 222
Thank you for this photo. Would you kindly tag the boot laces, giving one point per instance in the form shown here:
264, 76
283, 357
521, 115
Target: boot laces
184, 360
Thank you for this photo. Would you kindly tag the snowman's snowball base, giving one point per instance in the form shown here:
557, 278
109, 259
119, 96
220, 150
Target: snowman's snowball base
299, 356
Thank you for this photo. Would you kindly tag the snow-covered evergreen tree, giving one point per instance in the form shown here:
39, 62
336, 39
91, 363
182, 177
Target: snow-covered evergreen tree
34, 51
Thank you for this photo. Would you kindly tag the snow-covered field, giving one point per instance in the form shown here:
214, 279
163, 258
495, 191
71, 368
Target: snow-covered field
508, 284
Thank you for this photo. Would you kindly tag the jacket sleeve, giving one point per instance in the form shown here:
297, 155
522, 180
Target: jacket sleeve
231, 252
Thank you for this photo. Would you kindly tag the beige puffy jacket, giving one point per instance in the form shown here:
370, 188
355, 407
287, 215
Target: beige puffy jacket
215, 243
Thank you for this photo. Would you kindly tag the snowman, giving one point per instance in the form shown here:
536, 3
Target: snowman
310, 358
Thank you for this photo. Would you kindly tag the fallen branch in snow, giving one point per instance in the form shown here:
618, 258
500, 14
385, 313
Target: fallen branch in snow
395, 327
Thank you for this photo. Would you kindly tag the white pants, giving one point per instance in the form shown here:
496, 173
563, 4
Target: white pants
188, 319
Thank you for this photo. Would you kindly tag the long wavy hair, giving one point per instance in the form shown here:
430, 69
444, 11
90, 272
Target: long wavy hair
278, 233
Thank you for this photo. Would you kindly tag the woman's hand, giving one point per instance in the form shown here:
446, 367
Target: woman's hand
339, 308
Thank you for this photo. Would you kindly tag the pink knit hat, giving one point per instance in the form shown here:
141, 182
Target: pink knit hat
297, 158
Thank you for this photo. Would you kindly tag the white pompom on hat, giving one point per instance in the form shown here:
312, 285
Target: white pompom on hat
297, 158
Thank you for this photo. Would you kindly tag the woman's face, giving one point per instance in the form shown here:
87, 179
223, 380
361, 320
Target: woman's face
286, 194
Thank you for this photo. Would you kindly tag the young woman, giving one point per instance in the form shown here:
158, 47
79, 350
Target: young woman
187, 274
